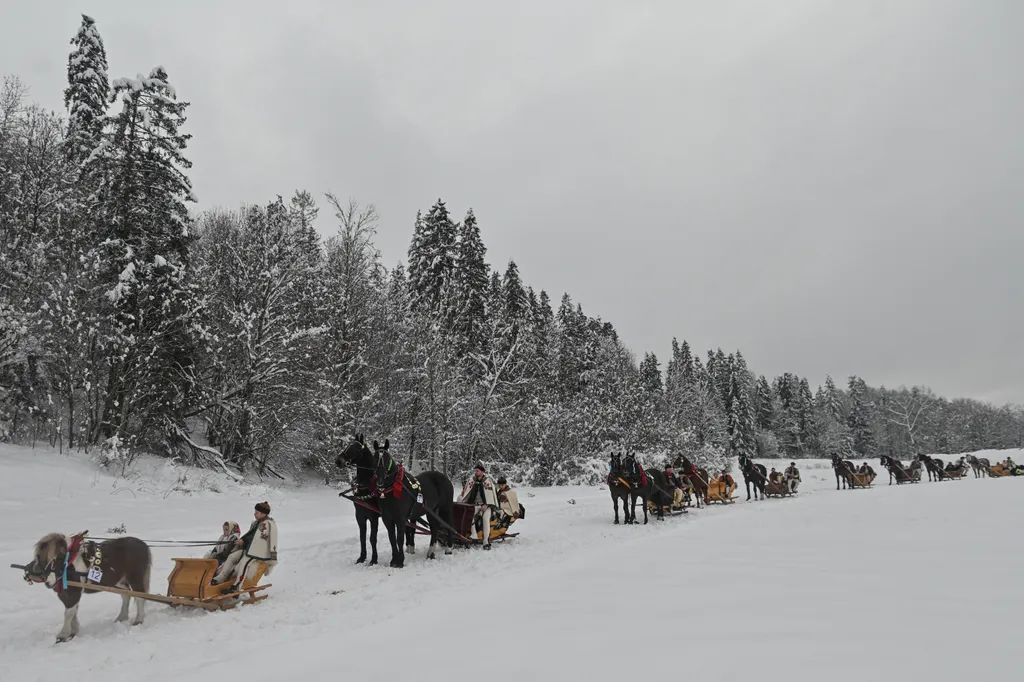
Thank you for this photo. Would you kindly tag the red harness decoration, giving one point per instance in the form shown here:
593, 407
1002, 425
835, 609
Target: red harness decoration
396, 487
643, 475
72, 554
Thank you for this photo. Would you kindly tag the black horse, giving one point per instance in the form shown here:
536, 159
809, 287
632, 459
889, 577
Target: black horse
404, 498
646, 486
844, 469
358, 454
753, 473
435, 499
896, 469
618, 486
933, 465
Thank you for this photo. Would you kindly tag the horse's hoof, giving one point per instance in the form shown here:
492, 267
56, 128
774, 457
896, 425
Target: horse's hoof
360, 560
616, 522
373, 562
410, 550
61, 640
447, 552
121, 619
136, 622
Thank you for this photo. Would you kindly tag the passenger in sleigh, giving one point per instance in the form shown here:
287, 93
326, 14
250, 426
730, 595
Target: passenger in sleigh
730, 482
774, 476
231, 533
509, 508
480, 493
678, 489
792, 477
259, 543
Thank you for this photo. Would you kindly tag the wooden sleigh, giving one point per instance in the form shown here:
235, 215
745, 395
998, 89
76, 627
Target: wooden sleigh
952, 474
462, 518
777, 489
999, 470
857, 480
718, 491
190, 584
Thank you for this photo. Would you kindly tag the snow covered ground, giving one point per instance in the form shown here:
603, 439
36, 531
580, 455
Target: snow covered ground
918, 582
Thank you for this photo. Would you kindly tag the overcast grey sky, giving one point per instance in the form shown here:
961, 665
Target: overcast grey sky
831, 187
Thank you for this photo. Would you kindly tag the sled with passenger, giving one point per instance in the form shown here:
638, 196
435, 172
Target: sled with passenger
861, 479
77, 565
777, 488
469, 525
721, 491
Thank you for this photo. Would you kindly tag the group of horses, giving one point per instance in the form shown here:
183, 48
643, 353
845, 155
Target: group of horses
851, 476
399, 499
628, 482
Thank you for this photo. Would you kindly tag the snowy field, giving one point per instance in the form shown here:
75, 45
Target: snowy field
891, 583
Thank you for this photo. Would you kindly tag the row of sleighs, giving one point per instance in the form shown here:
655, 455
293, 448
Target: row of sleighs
936, 469
685, 483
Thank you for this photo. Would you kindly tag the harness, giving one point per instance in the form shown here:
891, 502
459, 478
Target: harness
396, 487
93, 555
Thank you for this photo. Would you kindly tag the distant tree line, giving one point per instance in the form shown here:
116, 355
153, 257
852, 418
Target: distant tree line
242, 340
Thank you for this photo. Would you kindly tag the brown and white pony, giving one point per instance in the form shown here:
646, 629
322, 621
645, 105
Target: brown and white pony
122, 562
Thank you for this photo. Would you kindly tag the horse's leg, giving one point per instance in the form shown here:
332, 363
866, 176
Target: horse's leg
70, 623
434, 531
410, 536
125, 603
374, 523
361, 520
397, 553
140, 611
615, 504
644, 499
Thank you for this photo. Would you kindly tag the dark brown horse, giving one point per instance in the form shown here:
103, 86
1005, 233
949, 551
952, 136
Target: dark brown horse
359, 455
618, 486
933, 466
753, 473
697, 477
122, 562
843, 468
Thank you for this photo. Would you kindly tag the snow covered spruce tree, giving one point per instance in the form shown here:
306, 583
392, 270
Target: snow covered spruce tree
87, 93
150, 332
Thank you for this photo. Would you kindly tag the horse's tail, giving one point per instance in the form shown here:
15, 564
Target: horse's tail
147, 572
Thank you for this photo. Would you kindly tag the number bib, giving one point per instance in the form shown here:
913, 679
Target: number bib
95, 574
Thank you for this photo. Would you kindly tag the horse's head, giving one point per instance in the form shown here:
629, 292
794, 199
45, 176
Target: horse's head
356, 452
384, 467
744, 462
616, 463
47, 560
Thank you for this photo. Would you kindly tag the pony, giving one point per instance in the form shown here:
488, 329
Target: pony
979, 465
124, 563
753, 473
618, 486
403, 498
843, 469
358, 454
697, 477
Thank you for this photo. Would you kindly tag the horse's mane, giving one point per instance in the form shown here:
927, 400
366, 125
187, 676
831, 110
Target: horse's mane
51, 546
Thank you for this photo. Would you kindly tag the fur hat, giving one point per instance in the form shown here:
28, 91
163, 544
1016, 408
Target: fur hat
480, 467
502, 481
263, 508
